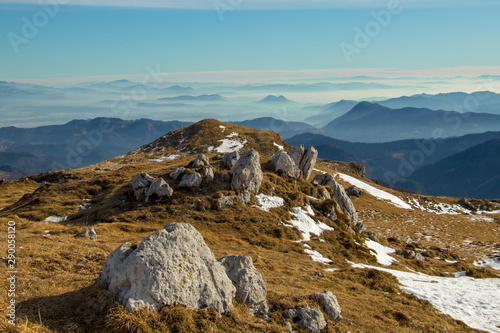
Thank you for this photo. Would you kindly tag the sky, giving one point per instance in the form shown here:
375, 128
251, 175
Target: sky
108, 38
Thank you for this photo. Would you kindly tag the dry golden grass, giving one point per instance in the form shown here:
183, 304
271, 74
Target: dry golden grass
56, 289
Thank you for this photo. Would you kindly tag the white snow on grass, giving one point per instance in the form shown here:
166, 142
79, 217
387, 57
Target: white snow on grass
232, 135
379, 194
306, 225
230, 145
267, 202
318, 257
223, 128
279, 146
488, 262
381, 252
86, 205
166, 158
474, 301
55, 219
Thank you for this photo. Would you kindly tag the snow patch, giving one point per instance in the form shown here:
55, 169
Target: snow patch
267, 202
474, 301
279, 146
381, 252
318, 257
306, 225
379, 194
86, 205
223, 128
55, 219
232, 135
488, 262
166, 158
230, 146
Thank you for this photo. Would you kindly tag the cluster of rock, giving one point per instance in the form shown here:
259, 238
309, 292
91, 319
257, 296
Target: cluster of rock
89, 233
296, 160
175, 266
142, 183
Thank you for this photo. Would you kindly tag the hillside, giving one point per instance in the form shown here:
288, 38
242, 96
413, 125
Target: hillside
371, 123
474, 172
303, 235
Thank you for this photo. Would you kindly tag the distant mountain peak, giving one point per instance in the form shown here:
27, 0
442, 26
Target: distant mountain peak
273, 99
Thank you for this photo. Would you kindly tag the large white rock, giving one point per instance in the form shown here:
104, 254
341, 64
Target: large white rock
250, 286
308, 162
160, 188
171, 266
192, 180
247, 173
200, 161
329, 304
140, 184
296, 153
283, 162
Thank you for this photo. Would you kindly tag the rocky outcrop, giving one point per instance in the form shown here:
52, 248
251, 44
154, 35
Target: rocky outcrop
307, 319
89, 233
200, 161
341, 198
283, 162
208, 173
230, 159
308, 162
192, 180
250, 287
247, 173
330, 305
296, 154
177, 172
140, 183
160, 188
171, 266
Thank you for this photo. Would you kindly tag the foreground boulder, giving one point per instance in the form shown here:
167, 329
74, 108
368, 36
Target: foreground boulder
247, 173
177, 172
307, 319
330, 305
140, 183
171, 266
250, 287
283, 162
341, 198
160, 188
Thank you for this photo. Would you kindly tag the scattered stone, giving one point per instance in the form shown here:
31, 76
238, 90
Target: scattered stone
42, 184
296, 154
353, 191
140, 183
289, 326
250, 287
283, 162
308, 162
89, 233
247, 173
410, 254
219, 156
225, 201
230, 159
177, 172
327, 208
160, 188
192, 180
171, 266
341, 198
307, 318
208, 173
200, 161
330, 305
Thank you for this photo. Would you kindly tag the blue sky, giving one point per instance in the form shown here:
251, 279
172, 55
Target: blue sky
108, 39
